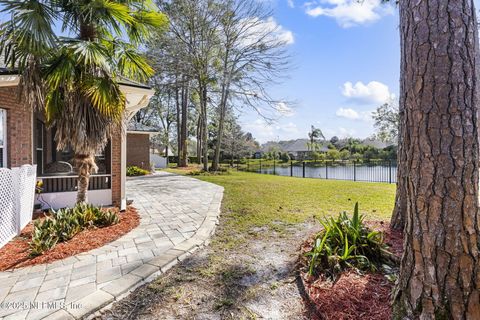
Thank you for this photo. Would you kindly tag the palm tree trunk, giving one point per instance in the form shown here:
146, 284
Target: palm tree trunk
85, 165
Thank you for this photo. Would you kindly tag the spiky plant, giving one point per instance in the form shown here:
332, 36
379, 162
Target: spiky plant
73, 76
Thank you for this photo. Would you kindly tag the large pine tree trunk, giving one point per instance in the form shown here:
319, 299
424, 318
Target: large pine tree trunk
400, 210
440, 268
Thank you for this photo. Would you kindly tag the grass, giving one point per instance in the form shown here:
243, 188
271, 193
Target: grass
257, 200
246, 271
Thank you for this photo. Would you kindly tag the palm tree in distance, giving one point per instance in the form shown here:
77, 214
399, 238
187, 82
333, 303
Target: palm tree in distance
73, 78
314, 135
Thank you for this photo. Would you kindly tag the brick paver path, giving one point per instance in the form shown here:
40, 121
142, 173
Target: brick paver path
178, 216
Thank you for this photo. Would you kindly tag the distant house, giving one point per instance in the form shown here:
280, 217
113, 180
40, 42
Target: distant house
377, 143
297, 149
138, 144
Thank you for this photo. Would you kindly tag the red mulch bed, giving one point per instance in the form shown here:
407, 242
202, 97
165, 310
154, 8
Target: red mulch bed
15, 254
352, 295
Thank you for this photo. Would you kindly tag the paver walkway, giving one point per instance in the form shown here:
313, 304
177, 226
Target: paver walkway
178, 216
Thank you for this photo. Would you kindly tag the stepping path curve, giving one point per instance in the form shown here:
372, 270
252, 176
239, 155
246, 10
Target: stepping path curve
178, 216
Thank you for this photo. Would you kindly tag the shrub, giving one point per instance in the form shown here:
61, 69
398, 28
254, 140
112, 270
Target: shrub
345, 242
333, 154
136, 171
285, 157
65, 223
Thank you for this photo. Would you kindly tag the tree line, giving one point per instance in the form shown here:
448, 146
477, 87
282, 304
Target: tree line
217, 57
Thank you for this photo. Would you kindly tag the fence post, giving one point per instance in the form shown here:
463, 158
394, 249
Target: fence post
303, 169
326, 169
354, 170
274, 169
390, 171
291, 168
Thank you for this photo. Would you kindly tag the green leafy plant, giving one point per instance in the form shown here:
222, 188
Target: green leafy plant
136, 171
106, 219
43, 237
65, 223
345, 242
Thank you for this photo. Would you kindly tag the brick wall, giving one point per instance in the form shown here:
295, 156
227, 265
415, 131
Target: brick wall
138, 150
19, 128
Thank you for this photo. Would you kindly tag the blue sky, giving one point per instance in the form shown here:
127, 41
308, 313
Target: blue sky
346, 58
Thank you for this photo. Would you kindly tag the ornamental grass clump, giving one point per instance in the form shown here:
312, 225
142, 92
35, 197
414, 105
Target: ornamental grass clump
65, 223
133, 171
346, 242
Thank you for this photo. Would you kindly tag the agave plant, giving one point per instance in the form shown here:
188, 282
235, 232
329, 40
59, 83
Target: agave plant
73, 76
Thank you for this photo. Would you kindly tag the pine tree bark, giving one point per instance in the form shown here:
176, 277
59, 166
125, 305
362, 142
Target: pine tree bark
440, 268
397, 221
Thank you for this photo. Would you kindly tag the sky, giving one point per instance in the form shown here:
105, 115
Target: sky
346, 63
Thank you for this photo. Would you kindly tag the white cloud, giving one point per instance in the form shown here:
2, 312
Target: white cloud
373, 92
291, 4
349, 13
284, 110
266, 29
263, 131
339, 132
352, 114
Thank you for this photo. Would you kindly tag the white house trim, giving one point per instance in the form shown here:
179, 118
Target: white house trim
9, 80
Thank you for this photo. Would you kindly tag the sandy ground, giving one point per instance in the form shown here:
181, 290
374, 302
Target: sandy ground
253, 280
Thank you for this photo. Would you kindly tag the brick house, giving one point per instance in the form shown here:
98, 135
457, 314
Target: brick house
24, 139
138, 145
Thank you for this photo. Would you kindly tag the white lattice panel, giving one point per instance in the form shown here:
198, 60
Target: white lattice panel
26, 195
8, 204
17, 193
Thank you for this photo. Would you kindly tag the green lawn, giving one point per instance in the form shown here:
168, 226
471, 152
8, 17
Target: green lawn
256, 200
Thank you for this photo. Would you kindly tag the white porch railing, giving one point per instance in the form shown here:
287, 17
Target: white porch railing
17, 192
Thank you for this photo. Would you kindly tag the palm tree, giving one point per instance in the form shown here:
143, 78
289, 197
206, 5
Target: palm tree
314, 135
73, 77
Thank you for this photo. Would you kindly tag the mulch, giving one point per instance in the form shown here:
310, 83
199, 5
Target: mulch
352, 295
15, 254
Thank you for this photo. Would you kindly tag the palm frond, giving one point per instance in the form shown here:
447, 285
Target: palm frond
105, 96
29, 29
130, 63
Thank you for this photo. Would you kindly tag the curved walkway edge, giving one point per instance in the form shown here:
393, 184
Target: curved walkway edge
178, 216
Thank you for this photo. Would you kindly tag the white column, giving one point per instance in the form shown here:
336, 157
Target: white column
123, 171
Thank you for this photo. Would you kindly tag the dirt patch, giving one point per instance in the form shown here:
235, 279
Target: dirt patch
353, 295
253, 280
15, 254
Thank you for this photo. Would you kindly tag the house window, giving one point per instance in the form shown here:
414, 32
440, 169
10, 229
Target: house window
40, 146
3, 138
